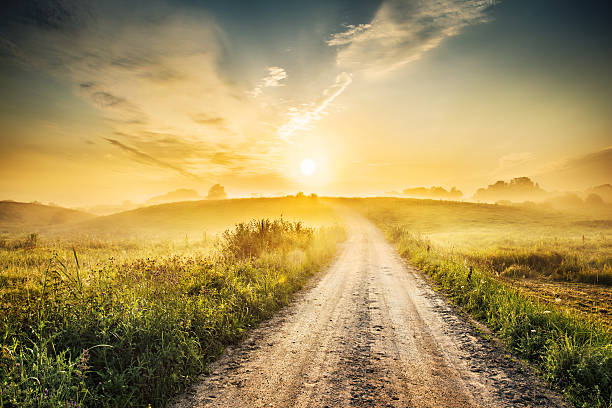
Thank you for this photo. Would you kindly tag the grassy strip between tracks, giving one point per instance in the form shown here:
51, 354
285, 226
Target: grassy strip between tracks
572, 354
135, 334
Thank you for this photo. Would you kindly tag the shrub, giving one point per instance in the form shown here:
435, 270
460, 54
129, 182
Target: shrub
251, 239
517, 271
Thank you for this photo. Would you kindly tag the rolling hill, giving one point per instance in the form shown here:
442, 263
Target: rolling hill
181, 194
33, 217
193, 218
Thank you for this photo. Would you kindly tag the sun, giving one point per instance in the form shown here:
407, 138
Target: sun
308, 167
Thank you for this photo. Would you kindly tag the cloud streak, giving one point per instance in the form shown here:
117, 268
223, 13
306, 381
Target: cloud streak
150, 160
578, 171
402, 31
303, 118
512, 162
273, 79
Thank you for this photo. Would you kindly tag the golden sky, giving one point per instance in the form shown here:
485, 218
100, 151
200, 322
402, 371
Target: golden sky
107, 102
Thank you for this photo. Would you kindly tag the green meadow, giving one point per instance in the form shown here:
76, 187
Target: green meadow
541, 280
128, 309
91, 320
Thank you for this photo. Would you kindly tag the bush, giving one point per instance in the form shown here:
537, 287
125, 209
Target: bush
251, 239
517, 271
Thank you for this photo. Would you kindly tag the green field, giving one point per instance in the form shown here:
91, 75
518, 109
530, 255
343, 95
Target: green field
90, 320
540, 280
127, 309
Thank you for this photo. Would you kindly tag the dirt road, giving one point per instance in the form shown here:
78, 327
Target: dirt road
369, 333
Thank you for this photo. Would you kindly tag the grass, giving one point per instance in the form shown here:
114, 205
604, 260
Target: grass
175, 220
477, 254
120, 324
27, 217
513, 242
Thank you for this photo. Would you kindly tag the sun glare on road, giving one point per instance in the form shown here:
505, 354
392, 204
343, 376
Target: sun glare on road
308, 166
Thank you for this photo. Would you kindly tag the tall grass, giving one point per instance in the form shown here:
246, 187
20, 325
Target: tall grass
30, 242
570, 347
573, 354
544, 244
259, 236
134, 333
563, 265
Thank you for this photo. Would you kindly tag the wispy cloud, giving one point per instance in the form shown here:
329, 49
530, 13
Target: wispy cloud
402, 31
302, 118
155, 77
347, 36
512, 162
579, 171
273, 79
601, 159
513, 159
148, 159
208, 120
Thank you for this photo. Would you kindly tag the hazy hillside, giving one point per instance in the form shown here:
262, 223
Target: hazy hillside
182, 194
433, 192
108, 209
30, 217
604, 191
193, 218
475, 224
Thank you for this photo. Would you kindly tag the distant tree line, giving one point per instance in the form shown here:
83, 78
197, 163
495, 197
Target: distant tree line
523, 189
433, 192
518, 189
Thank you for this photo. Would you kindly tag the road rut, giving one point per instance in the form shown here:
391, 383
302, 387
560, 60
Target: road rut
369, 333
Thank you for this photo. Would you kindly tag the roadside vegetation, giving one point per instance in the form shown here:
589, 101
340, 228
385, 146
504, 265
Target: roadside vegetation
130, 323
515, 270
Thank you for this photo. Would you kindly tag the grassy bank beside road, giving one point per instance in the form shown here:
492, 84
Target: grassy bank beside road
572, 350
134, 333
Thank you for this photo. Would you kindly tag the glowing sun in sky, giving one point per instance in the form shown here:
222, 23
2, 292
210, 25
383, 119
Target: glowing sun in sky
308, 166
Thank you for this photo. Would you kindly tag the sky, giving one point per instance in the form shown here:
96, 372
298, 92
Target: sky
103, 102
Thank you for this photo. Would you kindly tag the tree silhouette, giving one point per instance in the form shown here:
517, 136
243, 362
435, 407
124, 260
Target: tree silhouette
217, 192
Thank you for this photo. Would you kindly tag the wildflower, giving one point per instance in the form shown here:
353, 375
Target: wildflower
82, 364
558, 300
546, 311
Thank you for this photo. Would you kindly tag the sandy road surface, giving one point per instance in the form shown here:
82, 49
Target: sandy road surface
369, 333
